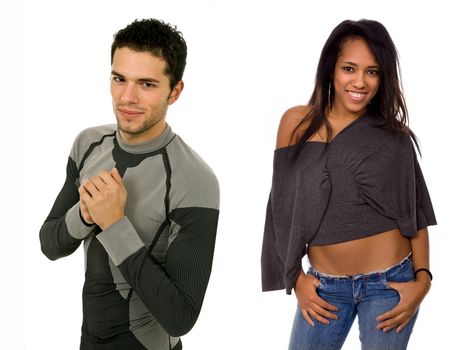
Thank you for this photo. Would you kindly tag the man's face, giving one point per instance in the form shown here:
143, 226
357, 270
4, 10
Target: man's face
141, 94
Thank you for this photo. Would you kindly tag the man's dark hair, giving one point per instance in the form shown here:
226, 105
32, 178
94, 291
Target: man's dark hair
158, 38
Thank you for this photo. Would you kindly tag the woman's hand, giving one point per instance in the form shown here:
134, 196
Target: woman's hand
311, 304
411, 296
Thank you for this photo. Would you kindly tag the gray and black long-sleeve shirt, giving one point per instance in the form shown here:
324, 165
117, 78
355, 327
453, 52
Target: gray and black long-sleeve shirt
146, 275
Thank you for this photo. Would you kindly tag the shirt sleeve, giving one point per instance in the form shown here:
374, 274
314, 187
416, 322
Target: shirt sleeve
63, 230
290, 224
424, 208
173, 292
272, 266
391, 181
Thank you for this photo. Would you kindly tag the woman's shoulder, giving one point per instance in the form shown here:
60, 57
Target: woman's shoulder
292, 124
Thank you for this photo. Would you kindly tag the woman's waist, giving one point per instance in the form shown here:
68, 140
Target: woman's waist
360, 256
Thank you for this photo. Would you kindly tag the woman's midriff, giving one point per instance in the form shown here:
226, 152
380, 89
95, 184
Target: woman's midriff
364, 255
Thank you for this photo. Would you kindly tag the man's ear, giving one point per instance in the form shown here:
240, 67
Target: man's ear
176, 91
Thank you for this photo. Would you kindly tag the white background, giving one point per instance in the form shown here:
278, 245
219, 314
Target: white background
248, 62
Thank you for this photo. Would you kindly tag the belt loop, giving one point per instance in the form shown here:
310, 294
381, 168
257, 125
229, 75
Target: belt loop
383, 277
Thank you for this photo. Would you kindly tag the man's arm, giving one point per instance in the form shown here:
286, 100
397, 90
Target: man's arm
173, 293
64, 229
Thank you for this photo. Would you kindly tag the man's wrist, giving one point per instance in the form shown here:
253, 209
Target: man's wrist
88, 224
107, 224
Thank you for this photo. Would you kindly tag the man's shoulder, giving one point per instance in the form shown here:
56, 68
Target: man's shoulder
90, 136
95, 133
191, 174
184, 156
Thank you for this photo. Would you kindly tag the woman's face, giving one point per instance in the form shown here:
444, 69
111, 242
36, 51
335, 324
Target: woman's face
356, 78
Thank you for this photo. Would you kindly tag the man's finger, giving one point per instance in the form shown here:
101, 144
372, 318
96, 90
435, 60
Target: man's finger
116, 175
84, 211
99, 182
105, 177
83, 193
90, 188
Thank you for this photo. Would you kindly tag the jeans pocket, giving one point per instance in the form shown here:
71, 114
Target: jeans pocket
385, 283
404, 273
317, 276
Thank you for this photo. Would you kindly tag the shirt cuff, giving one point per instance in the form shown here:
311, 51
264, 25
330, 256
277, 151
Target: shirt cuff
75, 225
120, 240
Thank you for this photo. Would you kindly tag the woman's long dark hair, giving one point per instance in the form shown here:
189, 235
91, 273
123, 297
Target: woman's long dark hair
388, 103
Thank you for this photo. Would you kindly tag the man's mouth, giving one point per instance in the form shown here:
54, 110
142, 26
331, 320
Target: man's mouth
129, 113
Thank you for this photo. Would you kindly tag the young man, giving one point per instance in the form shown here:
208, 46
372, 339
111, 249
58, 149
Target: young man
144, 203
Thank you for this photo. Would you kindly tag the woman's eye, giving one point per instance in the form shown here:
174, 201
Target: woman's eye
373, 72
348, 69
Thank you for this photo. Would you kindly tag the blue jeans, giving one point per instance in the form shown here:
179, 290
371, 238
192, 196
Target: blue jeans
365, 295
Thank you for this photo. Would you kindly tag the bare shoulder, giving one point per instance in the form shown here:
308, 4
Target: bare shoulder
289, 125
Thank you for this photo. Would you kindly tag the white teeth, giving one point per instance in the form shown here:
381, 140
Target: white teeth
356, 94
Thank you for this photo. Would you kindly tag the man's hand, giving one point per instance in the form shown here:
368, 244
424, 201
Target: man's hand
84, 211
103, 198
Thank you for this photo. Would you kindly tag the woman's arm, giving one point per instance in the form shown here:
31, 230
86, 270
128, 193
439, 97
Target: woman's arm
421, 255
311, 304
411, 293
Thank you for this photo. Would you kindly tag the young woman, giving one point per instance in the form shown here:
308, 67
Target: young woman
348, 191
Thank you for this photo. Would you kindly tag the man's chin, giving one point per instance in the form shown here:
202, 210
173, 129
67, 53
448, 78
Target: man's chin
131, 132
126, 129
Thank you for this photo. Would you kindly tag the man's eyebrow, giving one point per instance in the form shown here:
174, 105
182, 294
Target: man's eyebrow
148, 80
141, 80
115, 73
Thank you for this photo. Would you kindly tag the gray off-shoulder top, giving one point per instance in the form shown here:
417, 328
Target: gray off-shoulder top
367, 180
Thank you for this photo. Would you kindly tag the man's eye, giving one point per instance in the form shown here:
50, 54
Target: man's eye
118, 79
148, 84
